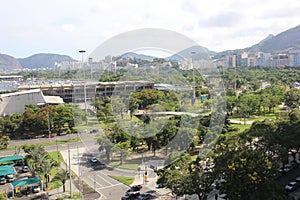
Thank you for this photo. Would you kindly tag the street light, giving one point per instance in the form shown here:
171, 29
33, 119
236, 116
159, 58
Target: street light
194, 84
82, 57
48, 122
84, 86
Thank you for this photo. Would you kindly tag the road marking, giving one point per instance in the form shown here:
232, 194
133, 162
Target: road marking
92, 179
104, 179
110, 186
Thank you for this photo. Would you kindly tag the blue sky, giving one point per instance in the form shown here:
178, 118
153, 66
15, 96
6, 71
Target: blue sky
66, 26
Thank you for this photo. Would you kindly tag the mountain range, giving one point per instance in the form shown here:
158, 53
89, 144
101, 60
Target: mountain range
288, 39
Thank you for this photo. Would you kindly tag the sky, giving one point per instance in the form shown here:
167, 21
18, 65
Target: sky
67, 26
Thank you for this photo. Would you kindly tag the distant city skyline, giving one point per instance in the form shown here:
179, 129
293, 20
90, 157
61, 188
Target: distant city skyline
65, 27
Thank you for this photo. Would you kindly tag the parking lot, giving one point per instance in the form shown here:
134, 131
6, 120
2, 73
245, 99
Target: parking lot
20, 183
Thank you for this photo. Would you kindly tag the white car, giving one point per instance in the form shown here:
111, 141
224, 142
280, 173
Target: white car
25, 169
291, 186
36, 189
94, 160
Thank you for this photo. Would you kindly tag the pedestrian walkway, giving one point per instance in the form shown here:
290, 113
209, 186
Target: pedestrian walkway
58, 193
54, 194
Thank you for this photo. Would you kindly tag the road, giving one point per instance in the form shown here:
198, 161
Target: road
80, 154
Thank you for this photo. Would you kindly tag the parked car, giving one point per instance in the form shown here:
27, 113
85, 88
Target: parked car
25, 169
131, 195
36, 189
63, 133
2, 180
135, 188
94, 160
291, 186
10, 177
28, 190
94, 131
146, 196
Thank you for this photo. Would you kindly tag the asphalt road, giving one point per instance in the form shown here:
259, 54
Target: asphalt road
95, 176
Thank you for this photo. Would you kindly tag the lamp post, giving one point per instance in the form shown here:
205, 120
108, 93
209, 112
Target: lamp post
48, 122
84, 86
194, 83
79, 176
82, 58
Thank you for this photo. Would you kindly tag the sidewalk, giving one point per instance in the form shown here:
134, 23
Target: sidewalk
54, 194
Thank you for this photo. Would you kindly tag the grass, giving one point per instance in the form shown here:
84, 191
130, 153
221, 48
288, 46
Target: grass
56, 155
123, 179
46, 143
256, 118
75, 195
241, 127
133, 166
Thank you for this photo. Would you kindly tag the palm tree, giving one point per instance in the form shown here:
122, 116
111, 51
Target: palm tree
62, 176
46, 166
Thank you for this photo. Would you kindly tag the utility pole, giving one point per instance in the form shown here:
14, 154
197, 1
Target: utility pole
235, 79
94, 182
70, 176
48, 122
79, 180
194, 82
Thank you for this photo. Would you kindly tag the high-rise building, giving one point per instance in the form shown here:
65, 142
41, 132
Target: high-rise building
294, 58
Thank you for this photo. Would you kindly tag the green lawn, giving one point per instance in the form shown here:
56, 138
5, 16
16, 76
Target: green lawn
241, 127
46, 143
56, 155
256, 118
123, 179
133, 166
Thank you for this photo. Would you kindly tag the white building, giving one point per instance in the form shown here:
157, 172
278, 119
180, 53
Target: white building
13, 103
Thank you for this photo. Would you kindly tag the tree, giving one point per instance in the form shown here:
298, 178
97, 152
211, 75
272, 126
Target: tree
35, 155
104, 110
105, 145
63, 176
47, 165
292, 98
231, 103
123, 148
247, 170
4, 141
133, 106
248, 104
118, 106
185, 176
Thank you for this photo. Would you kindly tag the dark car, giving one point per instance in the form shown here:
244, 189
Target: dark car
146, 196
135, 188
132, 195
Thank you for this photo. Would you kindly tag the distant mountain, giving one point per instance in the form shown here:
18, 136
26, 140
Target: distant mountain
283, 41
43, 60
8, 63
258, 46
138, 56
194, 52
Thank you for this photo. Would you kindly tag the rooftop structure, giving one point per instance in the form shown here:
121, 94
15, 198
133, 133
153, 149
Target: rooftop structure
12, 103
76, 92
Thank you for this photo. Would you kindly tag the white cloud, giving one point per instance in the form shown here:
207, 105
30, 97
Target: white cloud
65, 26
68, 27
